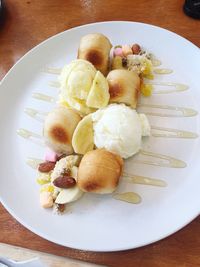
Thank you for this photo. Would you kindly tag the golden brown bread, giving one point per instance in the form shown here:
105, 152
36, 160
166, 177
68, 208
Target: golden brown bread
59, 127
99, 171
96, 49
124, 87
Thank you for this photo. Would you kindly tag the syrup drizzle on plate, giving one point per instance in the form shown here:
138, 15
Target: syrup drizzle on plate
43, 97
130, 197
163, 71
172, 133
36, 114
150, 158
137, 179
160, 160
177, 111
31, 136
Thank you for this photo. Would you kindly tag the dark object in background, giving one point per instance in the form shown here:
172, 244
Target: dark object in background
0, 8
1, 11
192, 8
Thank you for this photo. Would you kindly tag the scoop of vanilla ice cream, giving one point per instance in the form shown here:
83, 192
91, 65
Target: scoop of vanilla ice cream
76, 80
78, 65
83, 87
118, 128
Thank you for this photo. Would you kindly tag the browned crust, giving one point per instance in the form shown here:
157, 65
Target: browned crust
95, 48
95, 57
59, 134
115, 90
91, 186
123, 87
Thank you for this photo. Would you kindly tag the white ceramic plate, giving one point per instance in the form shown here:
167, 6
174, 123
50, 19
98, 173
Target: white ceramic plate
100, 223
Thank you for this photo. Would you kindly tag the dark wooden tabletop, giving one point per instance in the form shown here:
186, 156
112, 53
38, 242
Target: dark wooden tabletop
27, 23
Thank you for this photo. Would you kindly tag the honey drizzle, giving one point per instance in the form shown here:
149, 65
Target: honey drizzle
137, 179
183, 112
33, 137
129, 197
36, 114
43, 97
163, 71
167, 161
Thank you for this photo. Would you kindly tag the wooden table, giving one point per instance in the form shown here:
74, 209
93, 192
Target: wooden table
28, 22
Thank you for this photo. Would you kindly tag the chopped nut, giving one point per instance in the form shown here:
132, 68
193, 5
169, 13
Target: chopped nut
61, 207
46, 166
136, 49
66, 172
64, 181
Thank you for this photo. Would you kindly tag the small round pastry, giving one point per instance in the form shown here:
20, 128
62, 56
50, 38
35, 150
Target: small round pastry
124, 87
96, 49
99, 171
59, 127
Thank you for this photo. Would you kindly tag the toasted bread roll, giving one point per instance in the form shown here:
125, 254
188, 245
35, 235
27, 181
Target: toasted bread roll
124, 87
96, 49
59, 127
99, 171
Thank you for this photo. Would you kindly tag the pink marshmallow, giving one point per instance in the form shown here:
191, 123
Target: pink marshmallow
118, 52
51, 156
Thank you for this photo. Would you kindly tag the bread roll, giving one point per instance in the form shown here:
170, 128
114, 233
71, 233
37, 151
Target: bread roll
59, 127
124, 87
96, 49
99, 171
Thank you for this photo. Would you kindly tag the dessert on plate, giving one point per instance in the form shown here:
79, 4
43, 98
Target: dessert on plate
95, 125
